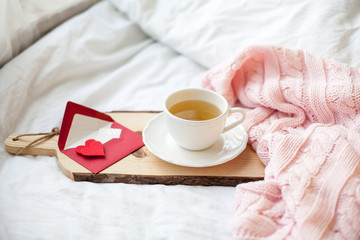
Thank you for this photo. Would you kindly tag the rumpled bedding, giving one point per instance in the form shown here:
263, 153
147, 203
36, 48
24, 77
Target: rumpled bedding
129, 55
24, 22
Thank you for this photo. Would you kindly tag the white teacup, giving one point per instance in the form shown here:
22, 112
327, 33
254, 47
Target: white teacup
195, 133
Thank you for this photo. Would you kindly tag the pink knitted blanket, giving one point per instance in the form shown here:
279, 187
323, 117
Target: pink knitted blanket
304, 123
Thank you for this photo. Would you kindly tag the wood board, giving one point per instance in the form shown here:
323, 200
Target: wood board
142, 167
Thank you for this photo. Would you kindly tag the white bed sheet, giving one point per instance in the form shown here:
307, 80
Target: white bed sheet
105, 61
113, 66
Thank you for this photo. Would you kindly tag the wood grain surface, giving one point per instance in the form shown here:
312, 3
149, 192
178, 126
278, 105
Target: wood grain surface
142, 167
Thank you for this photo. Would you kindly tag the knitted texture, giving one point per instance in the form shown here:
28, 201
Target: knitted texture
303, 121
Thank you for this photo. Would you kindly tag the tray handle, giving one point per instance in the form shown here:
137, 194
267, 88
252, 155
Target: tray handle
45, 148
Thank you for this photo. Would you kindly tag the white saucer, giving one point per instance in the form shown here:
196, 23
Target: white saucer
160, 143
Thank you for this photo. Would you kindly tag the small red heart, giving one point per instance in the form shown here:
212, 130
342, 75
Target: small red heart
92, 148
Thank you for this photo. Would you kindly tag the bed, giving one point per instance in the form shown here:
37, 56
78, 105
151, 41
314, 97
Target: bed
122, 55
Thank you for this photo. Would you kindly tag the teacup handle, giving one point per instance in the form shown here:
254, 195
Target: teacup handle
238, 121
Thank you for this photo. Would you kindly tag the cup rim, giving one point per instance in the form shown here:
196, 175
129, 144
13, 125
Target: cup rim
192, 121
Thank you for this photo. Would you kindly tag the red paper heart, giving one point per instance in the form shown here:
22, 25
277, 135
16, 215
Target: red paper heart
92, 148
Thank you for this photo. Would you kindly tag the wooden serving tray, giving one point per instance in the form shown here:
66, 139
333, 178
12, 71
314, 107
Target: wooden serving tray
142, 167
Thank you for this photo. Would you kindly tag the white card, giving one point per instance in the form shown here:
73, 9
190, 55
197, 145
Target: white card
84, 128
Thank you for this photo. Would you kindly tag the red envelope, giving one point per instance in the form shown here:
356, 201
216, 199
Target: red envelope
81, 124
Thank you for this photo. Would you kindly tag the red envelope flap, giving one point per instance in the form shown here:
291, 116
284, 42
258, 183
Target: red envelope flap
70, 111
114, 149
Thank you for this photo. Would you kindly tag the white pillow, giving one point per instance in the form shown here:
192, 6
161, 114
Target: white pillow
210, 31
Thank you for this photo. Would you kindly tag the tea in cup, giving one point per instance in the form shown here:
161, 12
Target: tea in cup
196, 117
